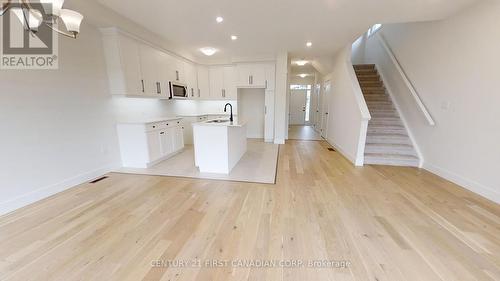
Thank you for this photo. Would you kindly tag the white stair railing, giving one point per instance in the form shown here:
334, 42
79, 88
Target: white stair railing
406, 80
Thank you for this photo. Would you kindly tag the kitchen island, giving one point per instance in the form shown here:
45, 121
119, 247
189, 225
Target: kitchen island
219, 144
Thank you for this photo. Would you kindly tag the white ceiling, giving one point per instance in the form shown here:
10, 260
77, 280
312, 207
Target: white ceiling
265, 27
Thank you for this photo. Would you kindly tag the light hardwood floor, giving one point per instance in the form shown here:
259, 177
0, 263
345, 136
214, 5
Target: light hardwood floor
390, 223
299, 132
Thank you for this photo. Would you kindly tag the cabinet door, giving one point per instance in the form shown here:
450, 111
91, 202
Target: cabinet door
258, 75
191, 80
230, 90
131, 65
216, 75
149, 69
270, 72
244, 73
166, 144
154, 146
177, 138
203, 82
163, 61
178, 74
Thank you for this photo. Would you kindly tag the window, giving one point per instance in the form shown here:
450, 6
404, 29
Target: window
374, 29
308, 105
300, 87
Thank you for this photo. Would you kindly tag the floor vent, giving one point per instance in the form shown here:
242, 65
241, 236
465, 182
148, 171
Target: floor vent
99, 179
331, 149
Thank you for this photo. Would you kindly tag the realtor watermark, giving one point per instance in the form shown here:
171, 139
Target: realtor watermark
22, 48
251, 263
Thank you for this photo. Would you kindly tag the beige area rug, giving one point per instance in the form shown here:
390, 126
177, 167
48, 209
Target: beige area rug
257, 165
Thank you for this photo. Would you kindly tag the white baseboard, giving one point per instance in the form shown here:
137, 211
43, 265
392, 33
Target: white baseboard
44, 192
349, 157
473, 186
279, 141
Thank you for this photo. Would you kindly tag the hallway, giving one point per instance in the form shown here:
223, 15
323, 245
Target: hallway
299, 132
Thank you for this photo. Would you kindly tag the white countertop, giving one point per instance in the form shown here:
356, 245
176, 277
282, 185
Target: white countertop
205, 114
235, 123
149, 120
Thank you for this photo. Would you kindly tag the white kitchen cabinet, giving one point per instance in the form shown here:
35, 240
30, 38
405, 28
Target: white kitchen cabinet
230, 90
251, 75
191, 80
177, 73
154, 145
154, 69
166, 142
123, 64
203, 82
222, 82
177, 138
270, 72
143, 144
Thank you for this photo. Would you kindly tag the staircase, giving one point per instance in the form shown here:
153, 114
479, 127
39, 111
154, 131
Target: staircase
387, 141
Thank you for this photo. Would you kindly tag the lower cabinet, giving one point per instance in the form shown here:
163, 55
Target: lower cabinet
145, 144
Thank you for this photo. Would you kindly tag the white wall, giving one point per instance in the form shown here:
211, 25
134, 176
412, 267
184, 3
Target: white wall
281, 98
453, 64
59, 125
251, 109
348, 114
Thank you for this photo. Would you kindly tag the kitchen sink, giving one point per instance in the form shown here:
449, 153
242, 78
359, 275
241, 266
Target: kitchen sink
218, 121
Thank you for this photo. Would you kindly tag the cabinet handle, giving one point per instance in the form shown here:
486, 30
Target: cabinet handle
199, 94
159, 88
249, 80
177, 75
266, 84
142, 84
192, 92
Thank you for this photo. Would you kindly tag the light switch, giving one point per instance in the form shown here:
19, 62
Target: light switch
445, 105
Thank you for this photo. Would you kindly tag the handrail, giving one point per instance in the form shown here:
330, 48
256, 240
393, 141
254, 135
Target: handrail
407, 81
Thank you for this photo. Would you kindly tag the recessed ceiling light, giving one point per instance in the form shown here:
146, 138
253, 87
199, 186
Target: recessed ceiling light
303, 75
234, 37
219, 19
208, 51
309, 44
301, 62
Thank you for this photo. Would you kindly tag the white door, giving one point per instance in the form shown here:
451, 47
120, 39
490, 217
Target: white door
298, 107
325, 108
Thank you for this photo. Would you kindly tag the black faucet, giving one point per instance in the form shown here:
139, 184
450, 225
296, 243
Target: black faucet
225, 110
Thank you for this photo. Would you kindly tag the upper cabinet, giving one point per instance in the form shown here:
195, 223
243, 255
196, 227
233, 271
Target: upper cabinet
138, 69
123, 65
222, 82
203, 82
255, 75
153, 68
191, 80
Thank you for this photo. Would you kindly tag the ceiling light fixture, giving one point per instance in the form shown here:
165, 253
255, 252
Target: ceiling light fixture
219, 19
208, 51
309, 44
301, 62
303, 75
234, 37
48, 12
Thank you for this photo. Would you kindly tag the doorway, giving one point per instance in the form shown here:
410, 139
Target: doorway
301, 117
251, 108
300, 105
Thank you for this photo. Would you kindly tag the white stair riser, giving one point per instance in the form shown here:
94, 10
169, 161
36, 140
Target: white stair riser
388, 140
390, 150
390, 162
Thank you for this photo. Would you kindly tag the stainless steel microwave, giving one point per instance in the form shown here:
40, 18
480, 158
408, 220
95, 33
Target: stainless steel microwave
178, 91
